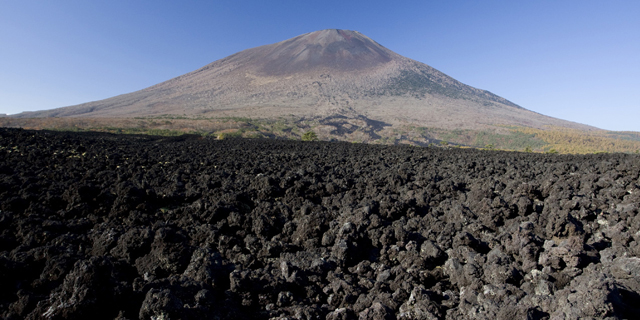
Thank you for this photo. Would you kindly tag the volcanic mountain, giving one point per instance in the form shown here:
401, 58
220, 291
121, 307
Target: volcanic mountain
319, 74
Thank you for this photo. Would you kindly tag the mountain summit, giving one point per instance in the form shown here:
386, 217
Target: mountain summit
319, 74
334, 50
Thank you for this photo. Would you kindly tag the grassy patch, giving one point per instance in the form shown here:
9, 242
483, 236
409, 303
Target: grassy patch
514, 140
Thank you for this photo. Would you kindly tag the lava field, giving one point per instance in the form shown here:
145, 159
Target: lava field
102, 226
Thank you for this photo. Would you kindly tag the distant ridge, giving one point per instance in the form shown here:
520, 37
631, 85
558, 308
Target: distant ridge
319, 74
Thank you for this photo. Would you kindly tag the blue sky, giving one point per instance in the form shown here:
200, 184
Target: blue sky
575, 60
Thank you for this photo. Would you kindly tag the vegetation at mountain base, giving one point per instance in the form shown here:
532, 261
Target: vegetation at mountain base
576, 141
342, 128
499, 139
309, 136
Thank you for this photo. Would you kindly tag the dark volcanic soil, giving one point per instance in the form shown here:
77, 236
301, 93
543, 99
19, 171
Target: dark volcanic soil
98, 226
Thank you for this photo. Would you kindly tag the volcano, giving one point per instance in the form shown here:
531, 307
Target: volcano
319, 74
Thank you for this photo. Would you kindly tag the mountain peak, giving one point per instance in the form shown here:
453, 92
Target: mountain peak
328, 36
334, 49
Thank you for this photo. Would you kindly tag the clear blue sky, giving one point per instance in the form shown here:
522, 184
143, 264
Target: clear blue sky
575, 60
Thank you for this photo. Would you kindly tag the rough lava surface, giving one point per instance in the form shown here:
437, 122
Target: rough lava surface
99, 226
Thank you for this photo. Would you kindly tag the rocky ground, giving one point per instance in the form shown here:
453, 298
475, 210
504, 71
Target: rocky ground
99, 226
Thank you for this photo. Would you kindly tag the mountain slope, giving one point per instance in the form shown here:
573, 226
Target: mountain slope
319, 74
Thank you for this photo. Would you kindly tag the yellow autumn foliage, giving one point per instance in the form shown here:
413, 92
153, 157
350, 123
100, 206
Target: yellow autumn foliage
566, 140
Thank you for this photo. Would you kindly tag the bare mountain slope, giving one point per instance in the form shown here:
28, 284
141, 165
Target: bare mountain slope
319, 74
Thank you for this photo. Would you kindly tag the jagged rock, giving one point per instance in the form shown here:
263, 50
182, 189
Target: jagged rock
195, 228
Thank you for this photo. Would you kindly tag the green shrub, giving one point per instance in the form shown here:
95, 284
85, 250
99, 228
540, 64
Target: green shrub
309, 136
